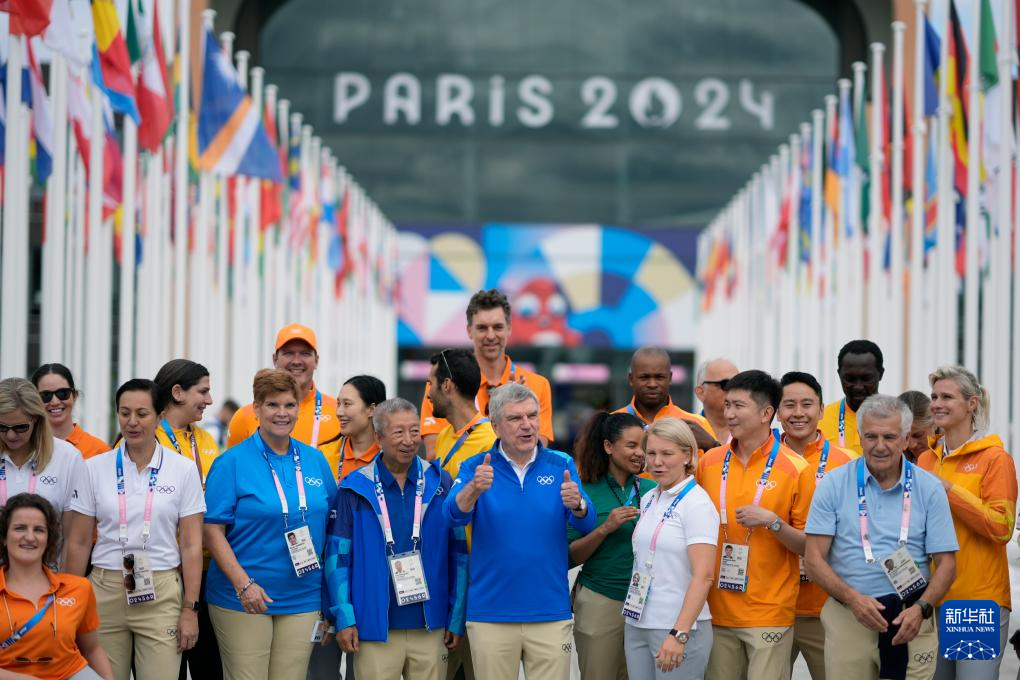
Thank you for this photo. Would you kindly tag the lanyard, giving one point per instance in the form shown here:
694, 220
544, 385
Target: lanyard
29, 625
630, 410
460, 441
822, 462
3, 480
842, 422
302, 499
513, 371
662, 520
634, 492
318, 417
384, 520
758, 492
177, 447
862, 507
122, 502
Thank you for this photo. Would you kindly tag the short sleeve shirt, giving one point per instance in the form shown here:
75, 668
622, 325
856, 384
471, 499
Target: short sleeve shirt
244, 423
205, 442
829, 425
480, 439
694, 520
834, 513
89, 444
56, 482
177, 494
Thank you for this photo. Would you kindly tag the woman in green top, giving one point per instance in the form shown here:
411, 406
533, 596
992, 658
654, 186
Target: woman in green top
609, 459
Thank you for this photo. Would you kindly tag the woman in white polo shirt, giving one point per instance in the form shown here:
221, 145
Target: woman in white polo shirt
31, 459
669, 632
141, 497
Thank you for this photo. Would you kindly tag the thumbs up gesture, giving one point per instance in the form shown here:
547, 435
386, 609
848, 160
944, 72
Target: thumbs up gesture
482, 481
570, 494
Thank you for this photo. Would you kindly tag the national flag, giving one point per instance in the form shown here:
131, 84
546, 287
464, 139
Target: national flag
152, 91
804, 216
41, 146
987, 66
862, 154
932, 62
231, 137
957, 86
111, 65
931, 200
28, 17
846, 159
342, 264
60, 35
271, 193
79, 110
832, 188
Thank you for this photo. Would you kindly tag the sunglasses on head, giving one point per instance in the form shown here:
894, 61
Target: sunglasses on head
721, 384
63, 394
20, 428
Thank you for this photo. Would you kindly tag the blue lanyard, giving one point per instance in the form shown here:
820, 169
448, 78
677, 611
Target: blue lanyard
29, 625
460, 441
842, 422
761, 482
122, 501
822, 462
177, 447
513, 371
630, 410
862, 507
662, 520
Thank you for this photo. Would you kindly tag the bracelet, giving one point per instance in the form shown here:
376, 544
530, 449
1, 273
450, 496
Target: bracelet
247, 585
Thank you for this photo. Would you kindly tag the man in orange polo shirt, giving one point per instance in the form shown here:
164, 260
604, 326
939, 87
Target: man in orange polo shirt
800, 409
650, 375
296, 352
488, 326
763, 492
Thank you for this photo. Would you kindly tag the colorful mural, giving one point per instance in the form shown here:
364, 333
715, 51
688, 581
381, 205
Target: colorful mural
569, 285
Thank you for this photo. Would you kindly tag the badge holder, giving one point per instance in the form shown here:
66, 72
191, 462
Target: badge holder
319, 631
803, 570
637, 595
302, 550
139, 585
903, 574
408, 576
733, 567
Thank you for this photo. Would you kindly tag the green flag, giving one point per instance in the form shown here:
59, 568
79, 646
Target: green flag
987, 65
862, 153
134, 44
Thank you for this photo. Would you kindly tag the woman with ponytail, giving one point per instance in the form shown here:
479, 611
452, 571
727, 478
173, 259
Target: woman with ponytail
980, 479
609, 459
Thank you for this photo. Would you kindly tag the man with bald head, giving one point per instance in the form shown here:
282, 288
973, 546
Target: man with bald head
710, 388
649, 377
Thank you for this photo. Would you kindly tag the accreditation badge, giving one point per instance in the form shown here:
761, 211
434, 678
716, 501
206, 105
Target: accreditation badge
733, 567
803, 572
408, 578
902, 572
637, 595
319, 630
302, 550
139, 584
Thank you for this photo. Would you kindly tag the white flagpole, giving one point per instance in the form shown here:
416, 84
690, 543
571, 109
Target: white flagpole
876, 298
816, 362
948, 338
792, 345
256, 305
54, 266
96, 298
15, 258
126, 350
857, 275
917, 360
1002, 238
78, 338
180, 277
896, 250
971, 289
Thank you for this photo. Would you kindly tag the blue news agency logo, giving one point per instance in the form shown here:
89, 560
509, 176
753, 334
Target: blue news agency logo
969, 630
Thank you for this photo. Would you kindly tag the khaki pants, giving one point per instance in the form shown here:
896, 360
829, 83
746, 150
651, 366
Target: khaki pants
750, 653
260, 646
498, 648
809, 640
460, 658
149, 630
598, 632
415, 654
851, 650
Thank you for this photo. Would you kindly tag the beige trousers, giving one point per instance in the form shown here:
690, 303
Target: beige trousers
460, 658
598, 632
263, 647
750, 653
413, 654
149, 630
851, 650
809, 640
497, 649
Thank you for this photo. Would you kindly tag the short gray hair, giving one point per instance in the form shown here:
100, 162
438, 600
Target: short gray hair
511, 393
383, 411
884, 406
699, 375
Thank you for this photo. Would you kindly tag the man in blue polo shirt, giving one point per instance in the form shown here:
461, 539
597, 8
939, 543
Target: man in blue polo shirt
519, 498
873, 524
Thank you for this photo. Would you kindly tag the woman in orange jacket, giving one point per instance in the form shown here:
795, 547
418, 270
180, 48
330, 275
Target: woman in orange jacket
980, 479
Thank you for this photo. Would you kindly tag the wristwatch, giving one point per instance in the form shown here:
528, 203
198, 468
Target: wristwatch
926, 609
775, 525
581, 507
681, 636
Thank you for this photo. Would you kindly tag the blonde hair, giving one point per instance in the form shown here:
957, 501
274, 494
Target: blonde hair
20, 394
969, 388
676, 432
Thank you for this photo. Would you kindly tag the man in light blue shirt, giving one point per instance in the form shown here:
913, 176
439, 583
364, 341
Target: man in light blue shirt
878, 619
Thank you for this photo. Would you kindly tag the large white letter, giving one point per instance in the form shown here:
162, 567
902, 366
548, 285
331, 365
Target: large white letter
350, 91
497, 100
453, 98
402, 94
534, 91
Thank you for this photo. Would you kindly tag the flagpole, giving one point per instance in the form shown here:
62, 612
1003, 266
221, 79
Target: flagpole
15, 258
917, 360
1002, 243
256, 305
858, 274
126, 353
816, 361
971, 329
876, 328
948, 340
180, 277
54, 244
95, 298
270, 275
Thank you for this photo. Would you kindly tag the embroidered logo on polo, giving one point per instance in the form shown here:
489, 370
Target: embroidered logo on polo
66, 601
546, 480
769, 485
313, 481
772, 637
49, 479
165, 489
970, 467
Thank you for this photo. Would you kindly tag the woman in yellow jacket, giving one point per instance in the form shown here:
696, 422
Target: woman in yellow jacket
184, 388
980, 479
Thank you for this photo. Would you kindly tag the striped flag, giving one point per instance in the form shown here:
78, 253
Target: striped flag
111, 65
41, 147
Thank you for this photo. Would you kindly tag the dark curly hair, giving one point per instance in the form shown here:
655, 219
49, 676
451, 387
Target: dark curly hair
32, 500
485, 300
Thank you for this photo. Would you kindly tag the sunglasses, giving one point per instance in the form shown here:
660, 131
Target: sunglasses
63, 394
20, 428
446, 363
721, 384
129, 572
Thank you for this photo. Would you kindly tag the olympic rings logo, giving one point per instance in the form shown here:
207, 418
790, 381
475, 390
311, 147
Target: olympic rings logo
439, 491
166, 489
771, 637
49, 479
313, 481
66, 601
769, 485
546, 480
970, 467
567, 647
926, 657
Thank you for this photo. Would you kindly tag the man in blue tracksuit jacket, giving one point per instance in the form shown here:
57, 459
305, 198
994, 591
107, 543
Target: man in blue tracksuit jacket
519, 498
396, 598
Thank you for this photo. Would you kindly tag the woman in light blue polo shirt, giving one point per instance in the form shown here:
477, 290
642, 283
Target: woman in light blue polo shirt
268, 502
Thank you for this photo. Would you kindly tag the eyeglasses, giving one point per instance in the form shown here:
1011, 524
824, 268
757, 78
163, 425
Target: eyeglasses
721, 384
20, 428
63, 394
129, 572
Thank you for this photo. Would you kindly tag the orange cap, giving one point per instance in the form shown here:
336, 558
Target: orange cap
296, 331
